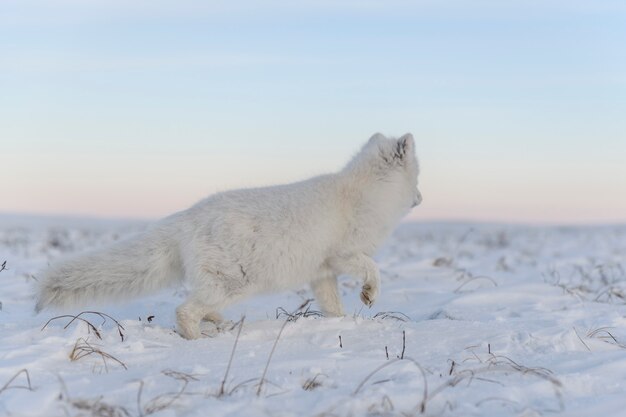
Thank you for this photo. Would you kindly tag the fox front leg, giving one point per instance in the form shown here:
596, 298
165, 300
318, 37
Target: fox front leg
327, 295
362, 266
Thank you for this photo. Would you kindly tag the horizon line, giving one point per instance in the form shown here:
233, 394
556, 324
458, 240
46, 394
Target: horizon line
52, 216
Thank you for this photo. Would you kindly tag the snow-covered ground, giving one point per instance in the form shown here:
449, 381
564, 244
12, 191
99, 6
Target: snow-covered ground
473, 320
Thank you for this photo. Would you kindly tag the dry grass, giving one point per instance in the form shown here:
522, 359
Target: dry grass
164, 401
450, 260
304, 311
98, 408
312, 383
94, 407
490, 367
82, 349
603, 334
603, 283
90, 326
443, 262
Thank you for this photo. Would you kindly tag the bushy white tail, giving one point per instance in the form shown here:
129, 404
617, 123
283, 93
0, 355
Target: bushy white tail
139, 265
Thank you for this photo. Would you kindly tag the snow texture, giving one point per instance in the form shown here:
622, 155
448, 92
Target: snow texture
472, 320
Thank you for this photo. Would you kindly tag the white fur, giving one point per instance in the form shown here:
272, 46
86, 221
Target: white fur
235, 244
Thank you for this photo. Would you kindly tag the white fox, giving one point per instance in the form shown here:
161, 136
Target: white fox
238, 243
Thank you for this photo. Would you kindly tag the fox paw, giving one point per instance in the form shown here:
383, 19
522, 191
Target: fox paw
213, 329
368, 294
225, 326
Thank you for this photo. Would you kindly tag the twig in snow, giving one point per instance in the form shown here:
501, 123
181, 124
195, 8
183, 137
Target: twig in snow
403, 344
452, 365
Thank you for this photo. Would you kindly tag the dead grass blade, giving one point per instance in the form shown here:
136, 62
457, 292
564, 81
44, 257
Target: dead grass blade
581, 340
180, 376
241, 385
269, 358
90, 326
163, 401
394, 315
8, 385
388, 364
460, 287
304, 307
230, 360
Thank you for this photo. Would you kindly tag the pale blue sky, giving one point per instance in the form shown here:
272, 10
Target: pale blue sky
117, 108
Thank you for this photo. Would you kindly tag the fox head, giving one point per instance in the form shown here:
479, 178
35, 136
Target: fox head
393, 163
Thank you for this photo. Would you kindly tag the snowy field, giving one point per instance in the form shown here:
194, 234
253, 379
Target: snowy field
472, 320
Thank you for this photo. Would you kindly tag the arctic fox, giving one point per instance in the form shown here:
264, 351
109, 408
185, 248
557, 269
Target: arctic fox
238, 243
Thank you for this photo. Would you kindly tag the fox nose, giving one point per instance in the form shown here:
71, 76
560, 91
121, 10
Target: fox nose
418, 199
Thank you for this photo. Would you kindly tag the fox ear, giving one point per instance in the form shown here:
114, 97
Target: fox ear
375, 138
405, 146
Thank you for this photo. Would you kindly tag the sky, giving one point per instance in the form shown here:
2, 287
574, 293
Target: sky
139, 109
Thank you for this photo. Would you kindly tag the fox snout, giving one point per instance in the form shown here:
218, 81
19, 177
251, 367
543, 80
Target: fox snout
418, 199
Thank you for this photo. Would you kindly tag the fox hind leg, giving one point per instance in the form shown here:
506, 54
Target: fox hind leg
188, 316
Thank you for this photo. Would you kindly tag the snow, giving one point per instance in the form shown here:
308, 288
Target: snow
498, 320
